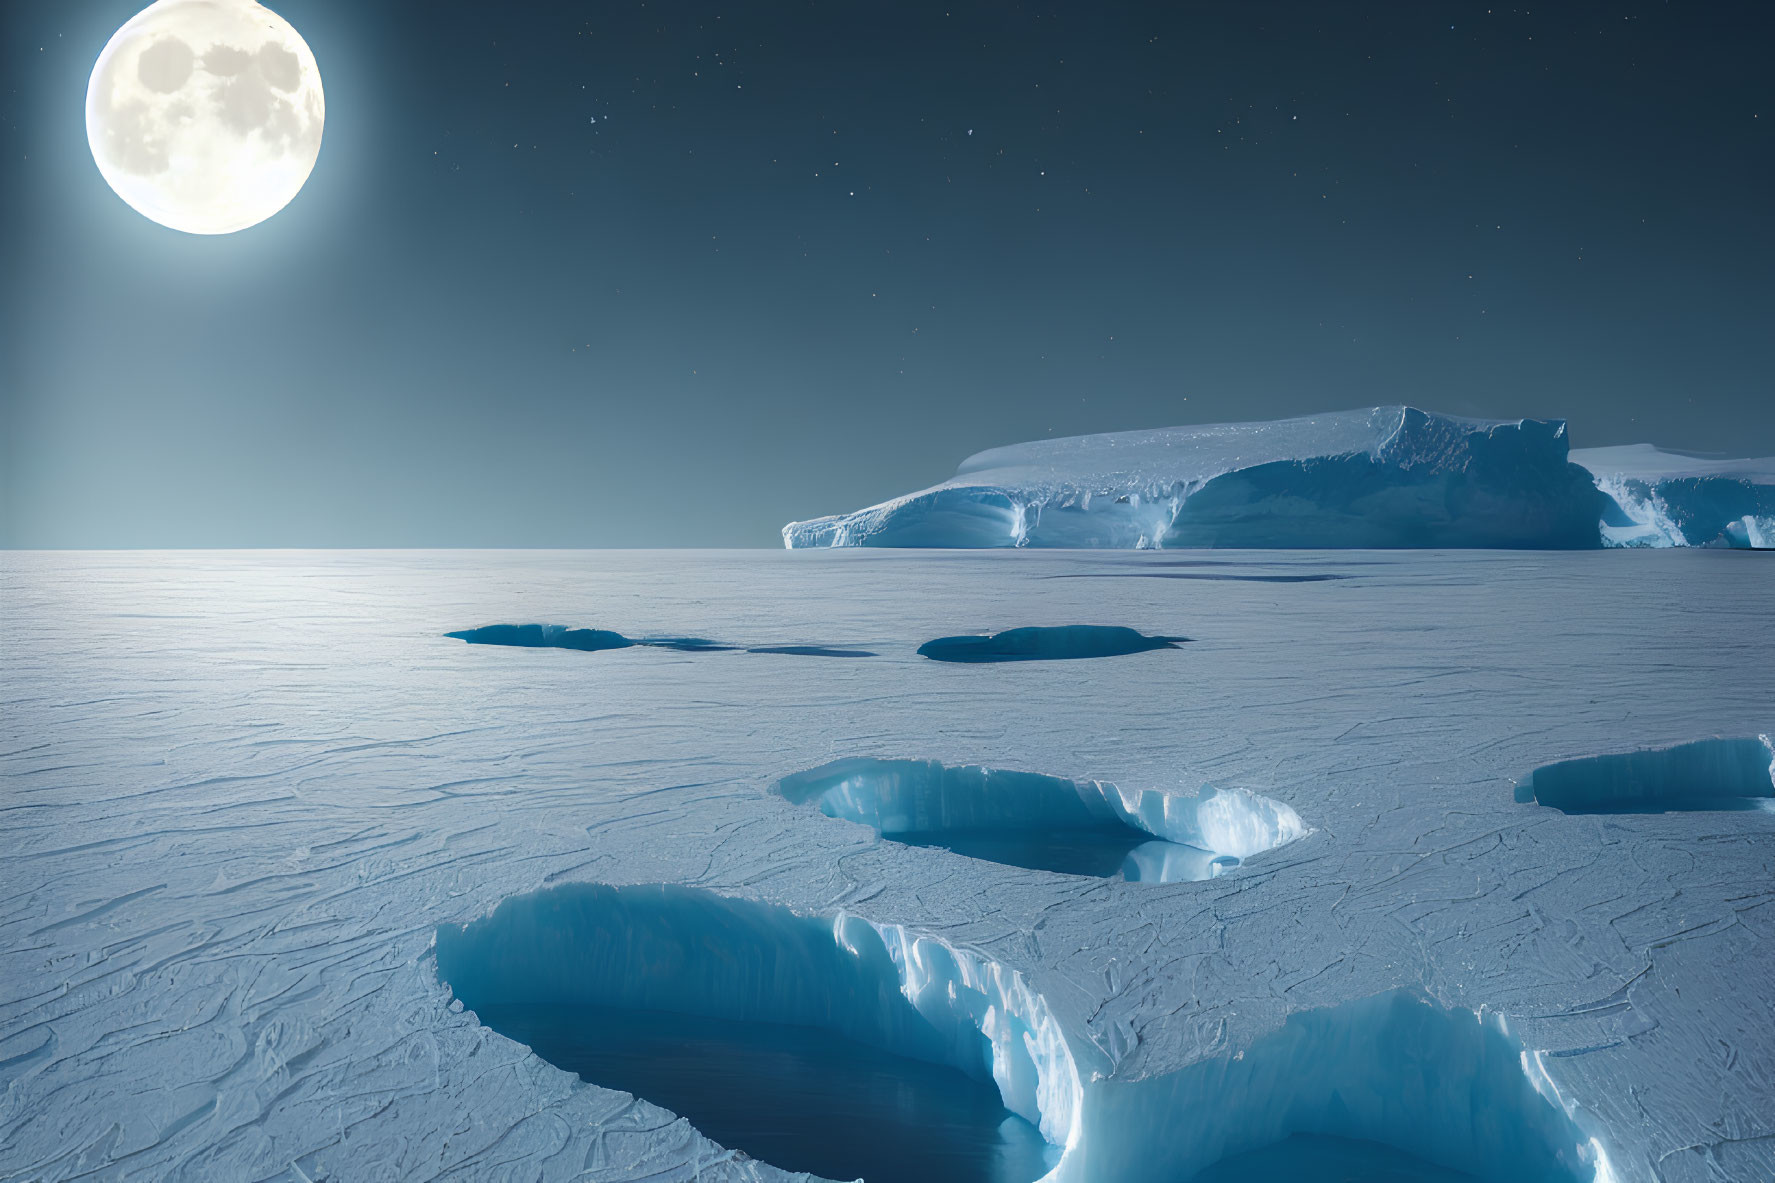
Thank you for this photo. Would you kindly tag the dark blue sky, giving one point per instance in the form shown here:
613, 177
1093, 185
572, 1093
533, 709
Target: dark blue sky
673, 274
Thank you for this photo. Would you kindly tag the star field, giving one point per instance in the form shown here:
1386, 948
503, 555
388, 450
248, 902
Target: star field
654, 274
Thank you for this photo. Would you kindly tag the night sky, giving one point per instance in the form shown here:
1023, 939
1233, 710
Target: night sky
670, 274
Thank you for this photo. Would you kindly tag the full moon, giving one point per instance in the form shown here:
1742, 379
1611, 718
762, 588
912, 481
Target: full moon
206, 115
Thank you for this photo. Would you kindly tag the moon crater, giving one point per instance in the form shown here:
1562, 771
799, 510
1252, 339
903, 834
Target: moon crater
166, 65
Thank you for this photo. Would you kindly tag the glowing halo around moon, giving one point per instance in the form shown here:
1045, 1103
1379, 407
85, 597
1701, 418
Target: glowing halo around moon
206, 115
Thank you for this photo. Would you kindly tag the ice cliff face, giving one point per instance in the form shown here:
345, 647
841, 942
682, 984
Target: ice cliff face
1448, 1086
1387, 477
682, 951
1659, 498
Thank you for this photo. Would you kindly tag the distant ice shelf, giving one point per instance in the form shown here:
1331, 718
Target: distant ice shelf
1661, 498
1384, 477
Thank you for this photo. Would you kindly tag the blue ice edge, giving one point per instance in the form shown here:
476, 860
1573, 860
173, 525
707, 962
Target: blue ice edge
598, 640
1064, 642
1451, 1086
1706, 775
583, 640
1171, 837
1041, 643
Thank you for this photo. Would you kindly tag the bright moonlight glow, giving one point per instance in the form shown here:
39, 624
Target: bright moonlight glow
206, 115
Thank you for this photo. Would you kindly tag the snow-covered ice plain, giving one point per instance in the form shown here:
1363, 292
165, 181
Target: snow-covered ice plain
259, 809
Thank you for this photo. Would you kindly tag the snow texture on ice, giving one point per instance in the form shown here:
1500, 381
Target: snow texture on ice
243, 793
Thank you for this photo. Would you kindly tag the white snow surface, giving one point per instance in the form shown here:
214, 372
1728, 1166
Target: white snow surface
1649, 463
242, 791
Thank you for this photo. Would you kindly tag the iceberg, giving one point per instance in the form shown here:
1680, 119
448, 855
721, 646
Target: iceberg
1659, 498
1386, 477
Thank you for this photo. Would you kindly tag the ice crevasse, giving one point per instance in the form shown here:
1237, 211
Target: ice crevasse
1449, 1087
682, 950
1195, 834
1383, 477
